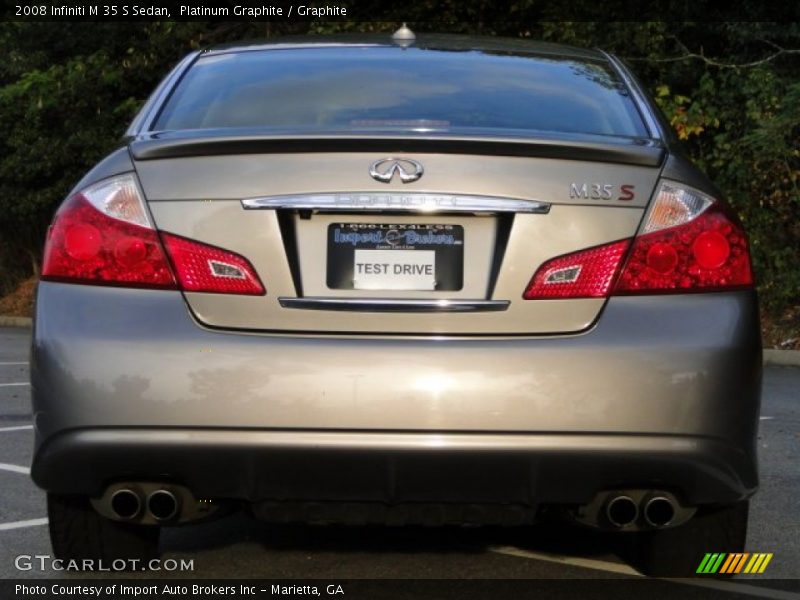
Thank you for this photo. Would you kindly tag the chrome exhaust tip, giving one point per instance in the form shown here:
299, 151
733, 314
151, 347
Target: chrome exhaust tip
659, 511
621, 511
163, 505
125, 504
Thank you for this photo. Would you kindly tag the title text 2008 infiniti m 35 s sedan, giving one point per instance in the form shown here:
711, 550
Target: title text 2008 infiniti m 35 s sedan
441, 280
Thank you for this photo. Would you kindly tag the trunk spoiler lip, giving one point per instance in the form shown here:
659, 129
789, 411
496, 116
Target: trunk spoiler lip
593, 148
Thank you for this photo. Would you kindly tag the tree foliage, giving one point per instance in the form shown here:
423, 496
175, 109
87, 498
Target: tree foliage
730, 90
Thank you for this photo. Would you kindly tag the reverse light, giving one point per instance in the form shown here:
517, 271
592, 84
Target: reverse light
689, 242
104, 236
674, 205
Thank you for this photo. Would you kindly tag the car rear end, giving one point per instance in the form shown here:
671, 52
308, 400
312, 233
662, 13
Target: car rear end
447, 283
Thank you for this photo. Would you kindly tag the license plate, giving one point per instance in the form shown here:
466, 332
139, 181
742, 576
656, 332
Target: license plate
370, 256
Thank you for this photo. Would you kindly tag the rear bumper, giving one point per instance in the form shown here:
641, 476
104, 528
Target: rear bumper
395, 468
662, 391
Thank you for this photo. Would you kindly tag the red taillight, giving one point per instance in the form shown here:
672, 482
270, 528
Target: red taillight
585, 274
690, 243
202, 268
87, 246
710, 253
711, 249
103, 236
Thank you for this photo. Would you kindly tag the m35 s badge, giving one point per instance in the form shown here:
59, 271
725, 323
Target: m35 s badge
601, 191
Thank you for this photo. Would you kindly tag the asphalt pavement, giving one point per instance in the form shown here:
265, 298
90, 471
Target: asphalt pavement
237, 546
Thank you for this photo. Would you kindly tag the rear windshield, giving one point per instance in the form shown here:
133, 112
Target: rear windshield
357, 89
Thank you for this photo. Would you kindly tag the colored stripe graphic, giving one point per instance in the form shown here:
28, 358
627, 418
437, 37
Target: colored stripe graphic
729, 562
758, 563
717, 564
754, 564
703, 563
765, 563
710, 567
734, 563
711, 562
721, 562
741, 562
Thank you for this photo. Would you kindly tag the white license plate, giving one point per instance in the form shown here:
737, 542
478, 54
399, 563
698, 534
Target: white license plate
394, 270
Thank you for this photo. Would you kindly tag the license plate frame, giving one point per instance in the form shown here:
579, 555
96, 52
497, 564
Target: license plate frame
446, 241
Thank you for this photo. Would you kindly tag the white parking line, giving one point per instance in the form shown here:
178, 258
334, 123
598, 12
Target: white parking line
611, 567
21, 524
587, 563
15, 469
14, 384
13, 363
15, 428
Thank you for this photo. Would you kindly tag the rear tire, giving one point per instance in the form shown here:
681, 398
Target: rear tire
77, 532
677, 552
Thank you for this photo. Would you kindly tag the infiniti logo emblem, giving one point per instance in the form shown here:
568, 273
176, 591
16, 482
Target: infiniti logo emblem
384, 170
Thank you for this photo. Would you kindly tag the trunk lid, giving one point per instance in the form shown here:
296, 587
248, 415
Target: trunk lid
558, 198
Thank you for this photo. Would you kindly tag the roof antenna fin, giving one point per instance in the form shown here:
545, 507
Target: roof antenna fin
404, 37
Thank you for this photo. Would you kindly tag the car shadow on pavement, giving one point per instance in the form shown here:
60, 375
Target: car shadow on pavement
557, 538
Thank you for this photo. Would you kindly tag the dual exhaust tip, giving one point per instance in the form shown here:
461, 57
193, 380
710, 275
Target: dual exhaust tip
658, 511
128, 504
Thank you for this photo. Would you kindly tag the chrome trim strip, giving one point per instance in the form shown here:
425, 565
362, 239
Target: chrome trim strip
405, 202
394, 305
